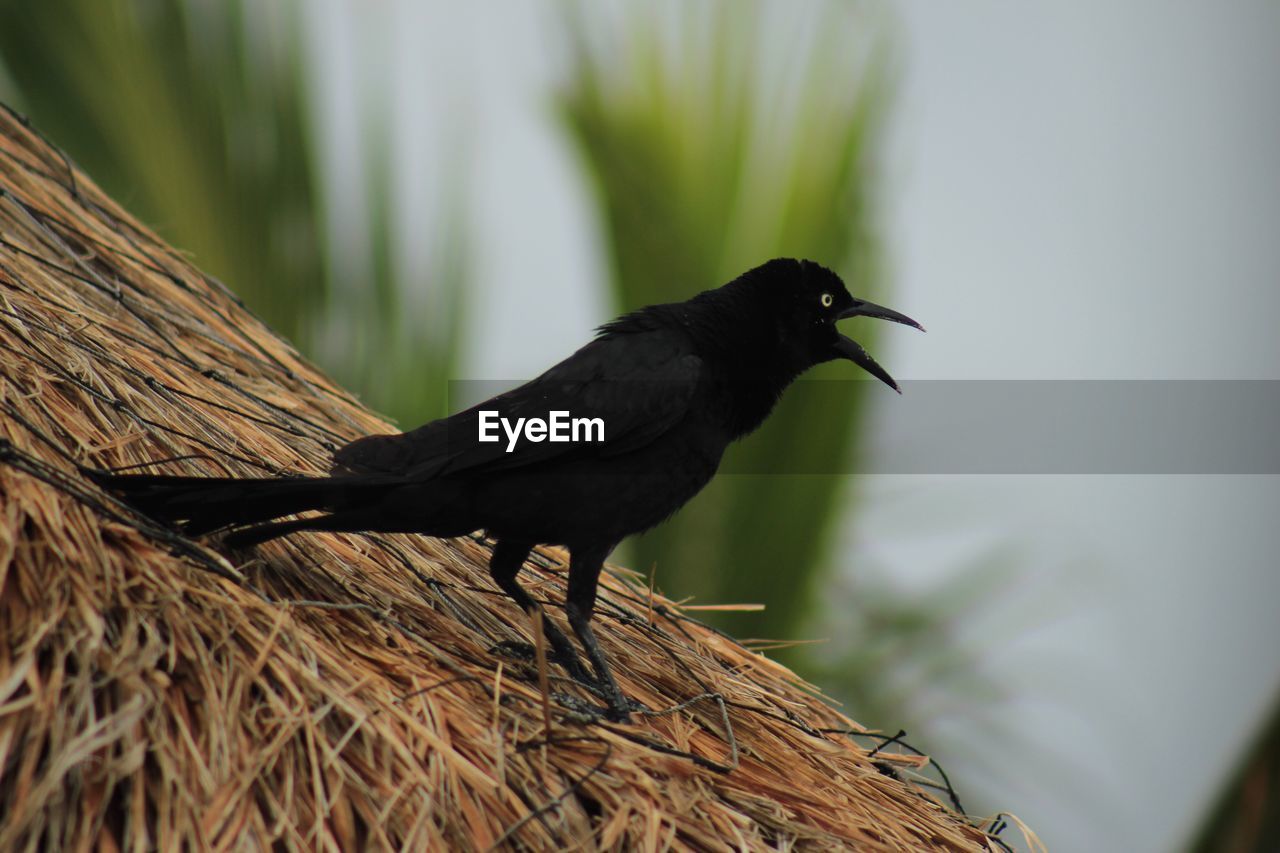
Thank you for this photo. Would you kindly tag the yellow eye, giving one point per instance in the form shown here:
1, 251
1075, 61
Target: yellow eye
827, 300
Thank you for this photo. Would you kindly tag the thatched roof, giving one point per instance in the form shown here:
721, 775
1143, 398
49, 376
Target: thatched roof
337, 689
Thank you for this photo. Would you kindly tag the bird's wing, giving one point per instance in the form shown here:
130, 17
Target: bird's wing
639, 384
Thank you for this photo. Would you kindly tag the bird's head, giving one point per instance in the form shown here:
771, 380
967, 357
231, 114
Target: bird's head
808, 299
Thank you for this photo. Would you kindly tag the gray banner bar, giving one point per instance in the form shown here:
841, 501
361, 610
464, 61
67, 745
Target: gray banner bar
1078, 427
1029, 426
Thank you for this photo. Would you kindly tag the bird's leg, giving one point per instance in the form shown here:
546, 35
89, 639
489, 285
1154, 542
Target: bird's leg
585, 565
506, 562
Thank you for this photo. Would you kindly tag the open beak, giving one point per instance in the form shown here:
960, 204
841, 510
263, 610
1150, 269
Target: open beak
859, 308
852, 350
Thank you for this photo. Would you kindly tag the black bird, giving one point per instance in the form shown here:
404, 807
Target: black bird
673, 384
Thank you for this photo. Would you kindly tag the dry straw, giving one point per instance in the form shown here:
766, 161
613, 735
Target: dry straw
337, 691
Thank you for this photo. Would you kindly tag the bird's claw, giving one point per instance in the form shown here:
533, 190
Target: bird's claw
527, 653
619, 708
615, 710
515, 650
619, 713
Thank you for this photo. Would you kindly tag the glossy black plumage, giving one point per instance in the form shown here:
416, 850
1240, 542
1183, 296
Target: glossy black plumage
674, 385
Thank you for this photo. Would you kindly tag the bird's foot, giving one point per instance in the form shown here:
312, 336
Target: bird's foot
619, 708
586, 711
527, 653
514, 650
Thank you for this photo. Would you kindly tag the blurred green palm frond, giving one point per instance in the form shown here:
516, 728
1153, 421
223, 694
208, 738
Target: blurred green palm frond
716, 138
171, 109
1245, 816
197, 117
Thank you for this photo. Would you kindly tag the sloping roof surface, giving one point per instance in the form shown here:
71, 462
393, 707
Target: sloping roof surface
337, 689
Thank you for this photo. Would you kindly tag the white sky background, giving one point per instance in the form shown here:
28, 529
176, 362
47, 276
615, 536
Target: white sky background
1072, 190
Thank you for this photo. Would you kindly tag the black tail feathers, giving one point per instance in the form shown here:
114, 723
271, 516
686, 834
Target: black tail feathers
202, 504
